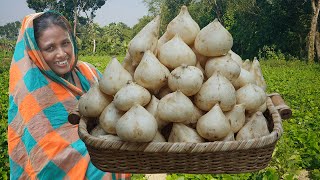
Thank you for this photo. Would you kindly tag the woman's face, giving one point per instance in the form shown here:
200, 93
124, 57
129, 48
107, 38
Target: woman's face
56, 49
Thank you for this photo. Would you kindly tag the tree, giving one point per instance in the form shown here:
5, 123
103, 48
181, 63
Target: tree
115, 39
313, 30
154, 6
6, 47
40, 5
88, 34
71, 9
8, 37
10, 31
112, 39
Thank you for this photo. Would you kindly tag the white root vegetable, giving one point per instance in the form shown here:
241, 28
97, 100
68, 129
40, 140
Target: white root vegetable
236, 58
187, 79
246, 65
163, 91
163, 39
198, 65
114, 78
158, 138
175, 52
225, 65
146, 39
217, 89
184, 26
93, 102
153, 105
236, 117
109, 117
248, 116
200, 58
257, 73
192, 121
213, 125
262, 109
110, 137
137, 125
127, 64
229, 137
150, 73
255, 128
244, 78
97, 131
175, 107
183, 133
152, 109
213, 40
252, 96
131, 94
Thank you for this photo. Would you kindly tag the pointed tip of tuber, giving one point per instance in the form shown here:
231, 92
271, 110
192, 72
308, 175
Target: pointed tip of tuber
157, 18
148, 52
216, 22
114, 58
184, 8
184, 65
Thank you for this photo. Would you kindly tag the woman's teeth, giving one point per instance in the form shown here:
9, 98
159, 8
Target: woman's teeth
62, 62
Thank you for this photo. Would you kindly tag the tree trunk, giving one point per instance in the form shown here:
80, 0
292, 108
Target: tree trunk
302, 47
75, 18
313, 30
318, 45
218, 11
94, 46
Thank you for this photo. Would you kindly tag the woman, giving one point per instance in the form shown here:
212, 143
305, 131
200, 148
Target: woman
46, 81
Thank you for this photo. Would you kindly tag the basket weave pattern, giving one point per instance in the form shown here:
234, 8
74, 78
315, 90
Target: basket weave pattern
200, 158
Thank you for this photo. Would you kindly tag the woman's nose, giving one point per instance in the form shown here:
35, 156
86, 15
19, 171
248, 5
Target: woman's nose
61, 53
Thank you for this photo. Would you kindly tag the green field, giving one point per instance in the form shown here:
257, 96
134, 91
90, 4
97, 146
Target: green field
297, 150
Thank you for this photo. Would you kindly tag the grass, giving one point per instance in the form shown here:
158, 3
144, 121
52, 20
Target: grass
100, 62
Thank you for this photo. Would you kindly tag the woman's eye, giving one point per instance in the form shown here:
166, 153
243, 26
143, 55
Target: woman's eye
49, 49
66, 43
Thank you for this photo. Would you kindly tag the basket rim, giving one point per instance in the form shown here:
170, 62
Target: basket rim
156, 147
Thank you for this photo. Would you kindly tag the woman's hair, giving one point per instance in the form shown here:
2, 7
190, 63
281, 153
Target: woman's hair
46, 20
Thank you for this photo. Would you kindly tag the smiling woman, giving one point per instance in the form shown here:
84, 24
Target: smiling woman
46, 82
53, 40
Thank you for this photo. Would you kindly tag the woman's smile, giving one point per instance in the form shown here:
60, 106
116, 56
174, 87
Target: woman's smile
63, 64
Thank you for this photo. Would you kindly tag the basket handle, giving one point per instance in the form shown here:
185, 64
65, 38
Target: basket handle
278, 102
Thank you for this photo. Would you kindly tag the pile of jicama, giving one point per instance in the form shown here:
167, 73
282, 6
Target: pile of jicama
185, 86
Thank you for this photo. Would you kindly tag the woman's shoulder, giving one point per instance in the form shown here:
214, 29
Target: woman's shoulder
83, 63
88, 68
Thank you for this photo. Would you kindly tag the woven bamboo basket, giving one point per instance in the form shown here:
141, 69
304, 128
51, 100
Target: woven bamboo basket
195, 158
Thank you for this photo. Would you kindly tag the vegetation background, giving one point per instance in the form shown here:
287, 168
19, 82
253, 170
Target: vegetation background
283, 34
